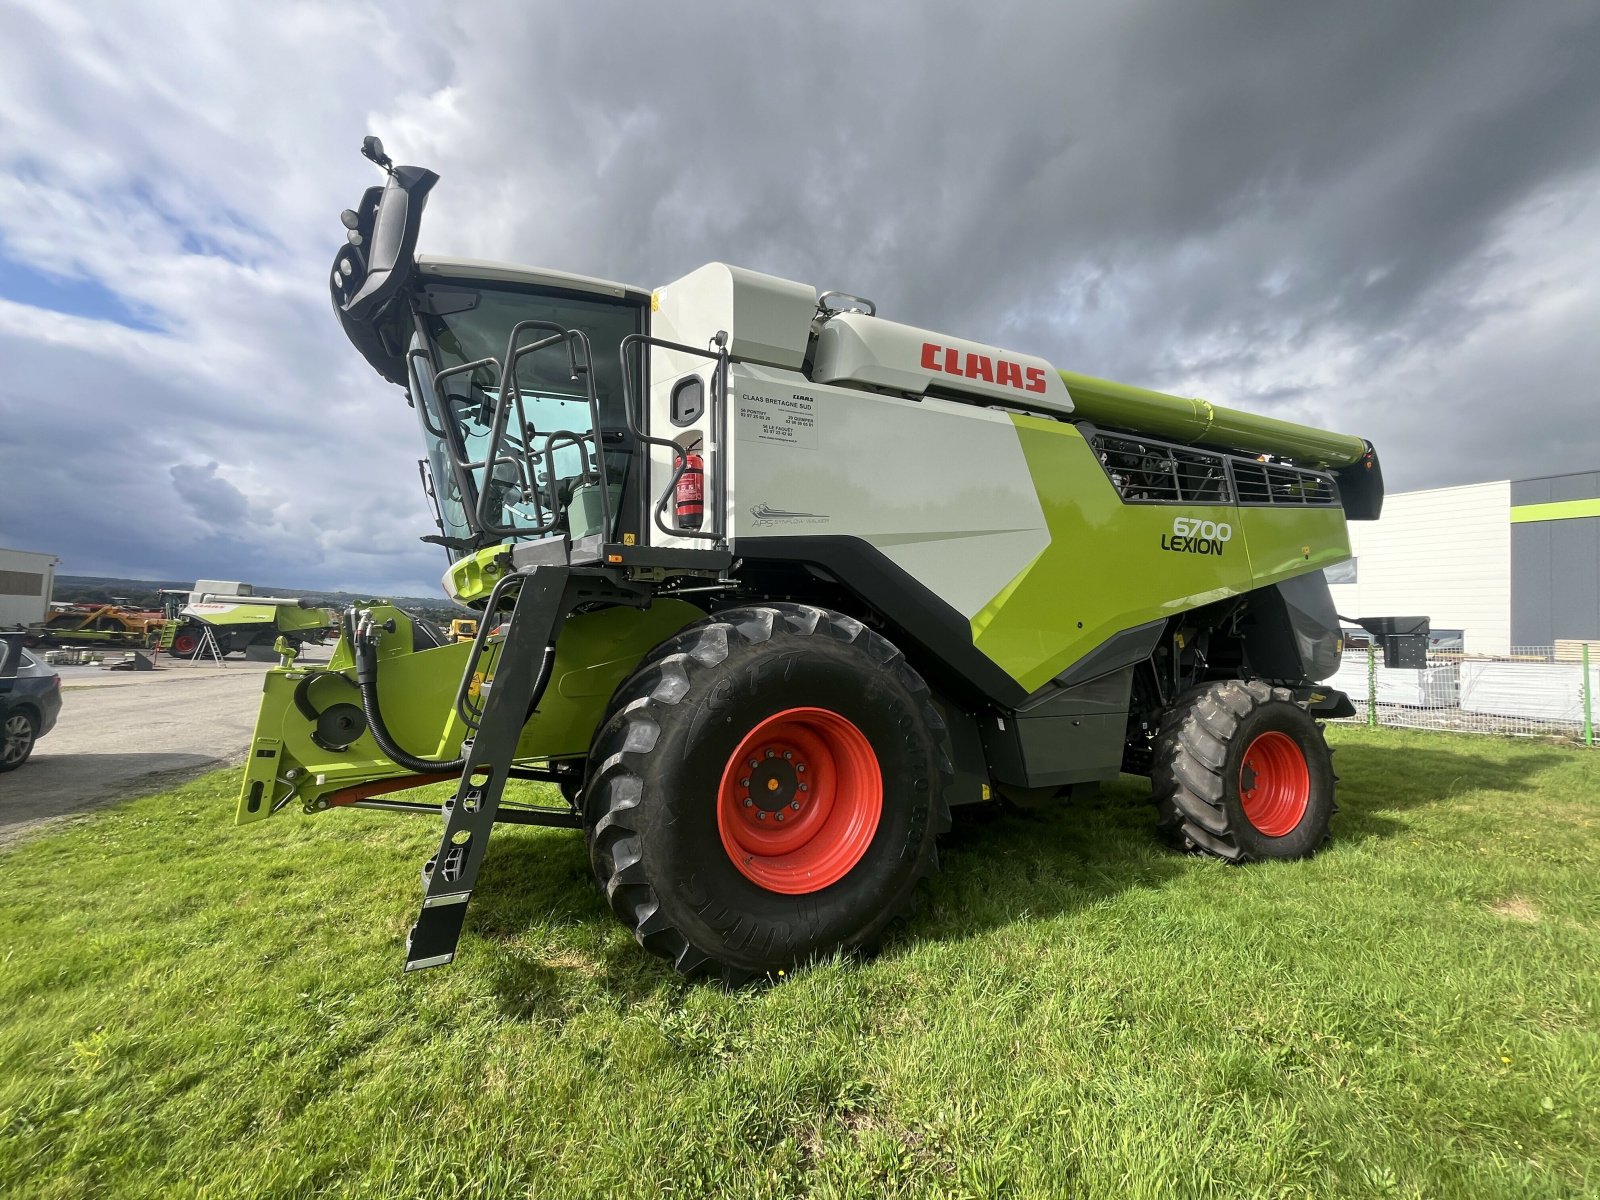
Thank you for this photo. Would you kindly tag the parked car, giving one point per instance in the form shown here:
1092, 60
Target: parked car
30, 699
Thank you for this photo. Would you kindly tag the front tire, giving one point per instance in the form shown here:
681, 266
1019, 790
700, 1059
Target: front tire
1243, 773
741, 870
186, 643
18, 734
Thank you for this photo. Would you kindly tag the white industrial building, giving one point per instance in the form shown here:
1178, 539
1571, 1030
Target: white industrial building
1444, 554
1513, 563
26, 582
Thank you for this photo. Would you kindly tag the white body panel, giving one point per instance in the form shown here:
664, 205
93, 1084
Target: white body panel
1444, 554
218, 587
940, 487
767, 319
855, 348
210, 610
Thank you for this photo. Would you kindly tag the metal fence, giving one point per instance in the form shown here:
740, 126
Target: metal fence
1534, 691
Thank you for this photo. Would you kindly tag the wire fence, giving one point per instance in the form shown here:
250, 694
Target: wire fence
1534, 691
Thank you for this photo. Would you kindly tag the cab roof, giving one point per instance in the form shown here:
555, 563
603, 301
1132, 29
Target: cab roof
433, 267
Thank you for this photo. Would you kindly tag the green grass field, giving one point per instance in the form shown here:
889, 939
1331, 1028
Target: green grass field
194, 1009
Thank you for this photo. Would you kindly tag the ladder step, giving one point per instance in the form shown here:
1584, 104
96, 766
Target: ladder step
432, 941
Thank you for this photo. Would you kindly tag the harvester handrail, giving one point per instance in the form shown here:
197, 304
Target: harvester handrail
719, 416
580, 360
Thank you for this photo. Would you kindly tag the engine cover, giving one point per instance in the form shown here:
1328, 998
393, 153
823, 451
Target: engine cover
856, 348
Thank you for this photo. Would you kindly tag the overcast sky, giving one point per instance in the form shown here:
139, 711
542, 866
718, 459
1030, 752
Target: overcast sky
1383, 218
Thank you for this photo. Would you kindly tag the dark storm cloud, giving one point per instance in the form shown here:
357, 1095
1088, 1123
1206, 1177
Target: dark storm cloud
214, 500
1199, 196
1378, 217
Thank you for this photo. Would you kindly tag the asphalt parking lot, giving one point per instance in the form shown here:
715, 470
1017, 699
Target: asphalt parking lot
124, 733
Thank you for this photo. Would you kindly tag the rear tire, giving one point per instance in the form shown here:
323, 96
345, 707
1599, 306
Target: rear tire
678, 845
1243, 773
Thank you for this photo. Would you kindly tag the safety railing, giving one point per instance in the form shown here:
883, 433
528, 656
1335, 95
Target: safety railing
1530, 691
715, 529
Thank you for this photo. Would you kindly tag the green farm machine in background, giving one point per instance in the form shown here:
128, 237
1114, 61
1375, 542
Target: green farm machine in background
768, 584
238, 619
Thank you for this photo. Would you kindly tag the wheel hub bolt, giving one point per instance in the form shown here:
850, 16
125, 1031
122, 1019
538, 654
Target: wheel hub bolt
772, 754
787, 755
799, 766
805, 787
795, 804
780, 816
762, 815
744, 783
748, 802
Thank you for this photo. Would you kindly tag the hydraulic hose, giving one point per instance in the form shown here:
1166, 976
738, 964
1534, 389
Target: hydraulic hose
364, 647
380, 734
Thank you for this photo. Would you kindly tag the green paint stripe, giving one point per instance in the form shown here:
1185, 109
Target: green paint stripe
1559, 510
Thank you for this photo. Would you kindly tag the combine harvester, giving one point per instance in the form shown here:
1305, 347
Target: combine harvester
239, 619
769, 584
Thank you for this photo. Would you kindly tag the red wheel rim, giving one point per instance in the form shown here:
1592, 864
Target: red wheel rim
800, 801
1274, 783
185, 643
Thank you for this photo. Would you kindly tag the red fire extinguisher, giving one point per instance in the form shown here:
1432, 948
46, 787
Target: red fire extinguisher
691, 493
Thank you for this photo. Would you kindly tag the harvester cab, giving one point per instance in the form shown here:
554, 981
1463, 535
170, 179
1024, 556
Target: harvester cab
767, 583
516, 378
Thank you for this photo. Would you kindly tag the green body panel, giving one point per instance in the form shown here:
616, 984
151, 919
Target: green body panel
1199, 422
1284, 542
473, 578
1110, 565
417, 689
281, 617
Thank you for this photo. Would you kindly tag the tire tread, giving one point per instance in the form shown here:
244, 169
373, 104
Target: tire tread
1187, 774
616, 788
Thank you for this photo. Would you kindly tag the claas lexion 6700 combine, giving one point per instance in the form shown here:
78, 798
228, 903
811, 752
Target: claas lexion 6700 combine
769, 584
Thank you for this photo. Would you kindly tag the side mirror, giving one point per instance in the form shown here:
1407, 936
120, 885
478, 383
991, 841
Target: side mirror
10, 654
366, 277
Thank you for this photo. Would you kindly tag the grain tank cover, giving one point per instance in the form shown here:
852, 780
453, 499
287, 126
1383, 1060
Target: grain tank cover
219, 587
854, 348
767, 319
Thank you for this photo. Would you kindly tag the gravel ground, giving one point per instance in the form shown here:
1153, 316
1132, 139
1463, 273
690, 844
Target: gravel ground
124, 734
